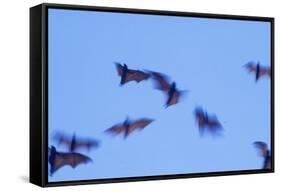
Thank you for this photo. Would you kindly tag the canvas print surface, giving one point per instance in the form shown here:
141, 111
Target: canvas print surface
133, 95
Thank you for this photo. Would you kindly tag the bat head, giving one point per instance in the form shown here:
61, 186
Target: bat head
125, 66
198, 111
52, 157
127, 121
174, 85
53, 150
73, 142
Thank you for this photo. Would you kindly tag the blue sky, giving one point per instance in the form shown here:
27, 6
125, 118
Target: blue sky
204, 56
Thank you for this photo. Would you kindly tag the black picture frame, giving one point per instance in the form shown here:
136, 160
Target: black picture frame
39, 93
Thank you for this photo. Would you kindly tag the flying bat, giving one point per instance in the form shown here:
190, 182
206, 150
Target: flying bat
265, 153
60, 159
128, 75
170, 89
206, 121
74, 143
127, 127
258, 70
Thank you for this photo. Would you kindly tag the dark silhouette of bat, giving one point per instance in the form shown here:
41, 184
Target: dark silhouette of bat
128, 75
258, 70
74, 143
60, 159
207, 122
127, 127
170, 89
265, 153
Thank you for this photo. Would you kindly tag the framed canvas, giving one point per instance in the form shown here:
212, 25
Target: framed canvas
128, 94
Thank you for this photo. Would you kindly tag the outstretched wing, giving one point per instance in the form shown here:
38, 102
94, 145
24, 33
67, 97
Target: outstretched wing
162, 81
136, 75
262, 148
265, 71
74, 159
119, 68
251, 67
139, 124
116, 129
71, 159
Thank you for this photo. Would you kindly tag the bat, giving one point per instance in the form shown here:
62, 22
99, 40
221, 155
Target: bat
258, 70
265, 153
60, 159
128, 75
127, 127
163, 83
74, 143
207, 122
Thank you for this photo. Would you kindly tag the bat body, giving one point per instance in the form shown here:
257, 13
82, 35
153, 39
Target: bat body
265, 153
207, 122
127, 127
170, 89
60, 159
128, 75
258, 70
74, 143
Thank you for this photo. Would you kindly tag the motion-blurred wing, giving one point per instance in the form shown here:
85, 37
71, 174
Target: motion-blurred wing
116, 129
162, 81
119, 68
213, 122
251, 67
139, 124
262, 148
136, 75
63, 139
90, 143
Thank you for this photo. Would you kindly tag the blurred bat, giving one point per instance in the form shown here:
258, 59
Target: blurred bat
74, 143
128, 75
170, 89
207, 122
127, 127
60, 159
265, 153
258, 70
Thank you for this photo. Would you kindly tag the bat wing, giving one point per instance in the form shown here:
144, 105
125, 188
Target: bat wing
63, 139
71, 159
251, 67
86, 144
162, 81
262, 148
74, 159
175, 98
136, 75
116, 129
265, 71
214, 122
119, 68
140, 124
